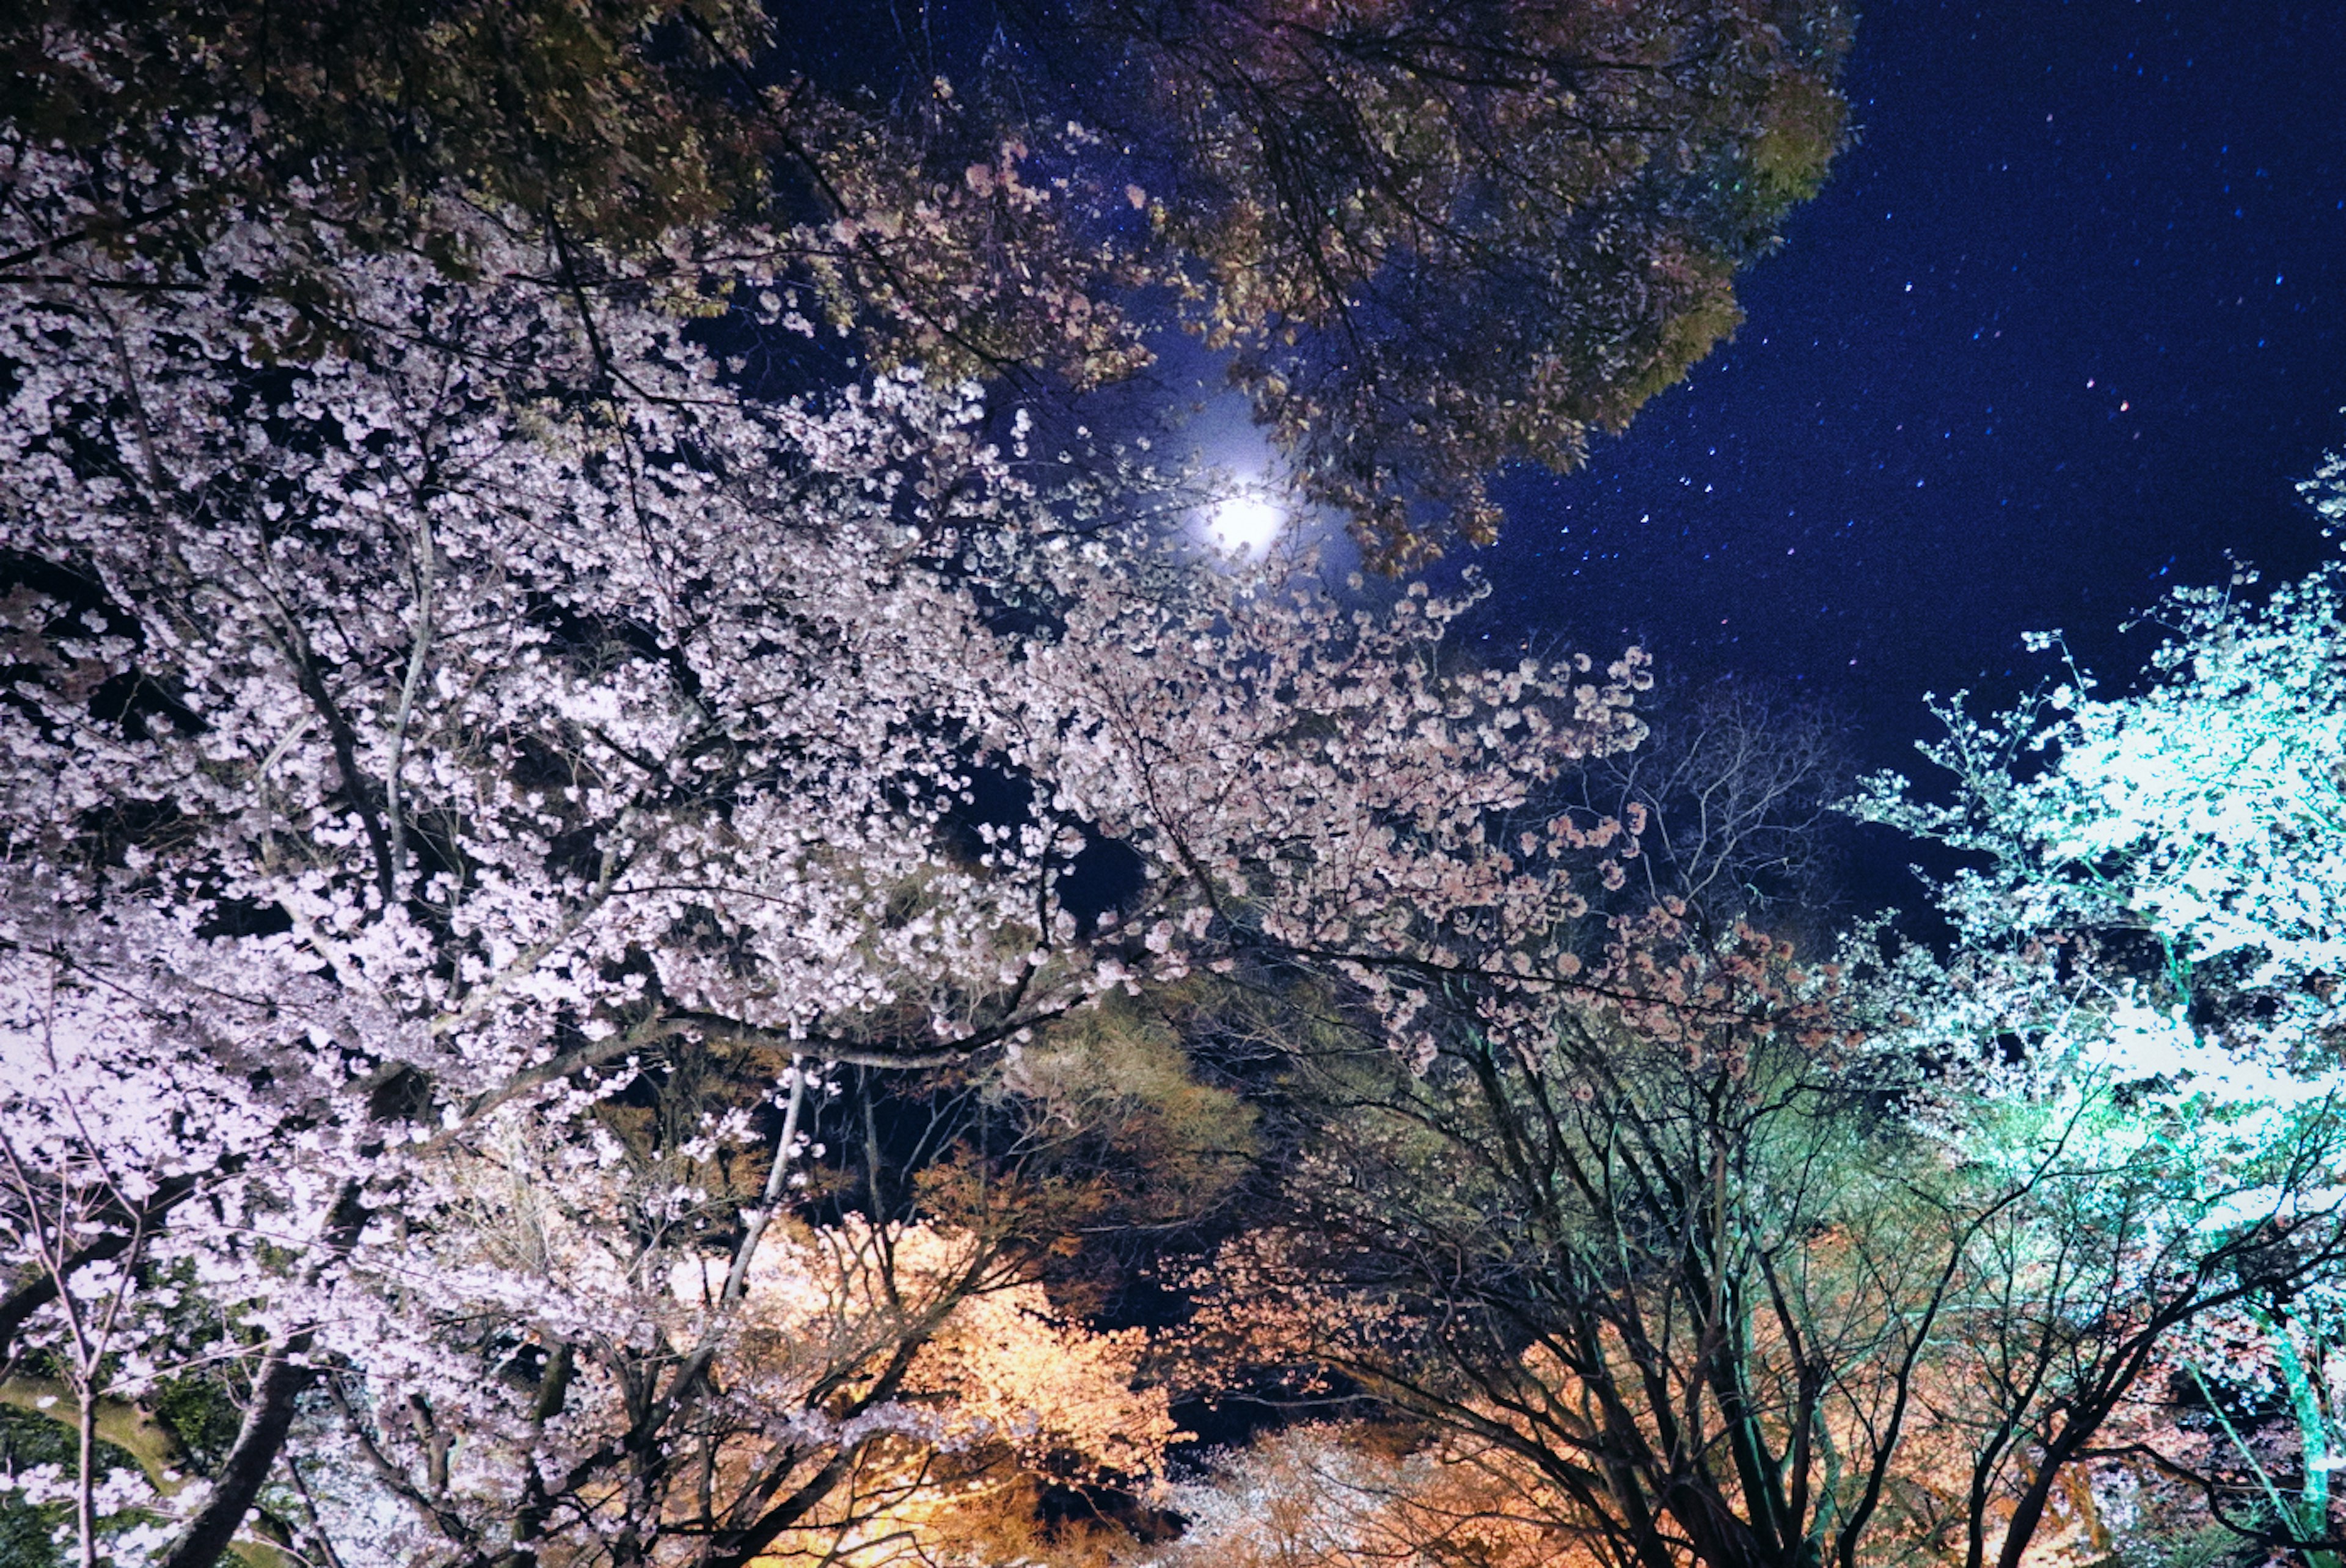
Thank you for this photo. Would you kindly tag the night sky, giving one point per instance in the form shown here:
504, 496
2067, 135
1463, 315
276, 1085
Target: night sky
2063, 329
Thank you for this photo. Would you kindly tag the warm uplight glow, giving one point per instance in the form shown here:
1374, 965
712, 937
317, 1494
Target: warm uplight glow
1247, 523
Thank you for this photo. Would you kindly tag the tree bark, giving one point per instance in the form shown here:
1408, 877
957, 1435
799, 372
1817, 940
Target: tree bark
234, 1490
282, 1377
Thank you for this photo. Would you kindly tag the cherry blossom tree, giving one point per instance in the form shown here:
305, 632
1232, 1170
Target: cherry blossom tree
2153, 911
426, 734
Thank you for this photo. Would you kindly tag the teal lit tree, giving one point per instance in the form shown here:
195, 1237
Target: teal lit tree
2155, 910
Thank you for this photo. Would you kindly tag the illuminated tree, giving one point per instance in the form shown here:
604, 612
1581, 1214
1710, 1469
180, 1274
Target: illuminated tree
2194, 823
424, 752
1323, 1495
2075, 1164
1716, 1280
2156, 905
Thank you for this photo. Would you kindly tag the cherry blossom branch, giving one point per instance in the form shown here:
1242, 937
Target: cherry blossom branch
425, 573
721, 1030
737, 1277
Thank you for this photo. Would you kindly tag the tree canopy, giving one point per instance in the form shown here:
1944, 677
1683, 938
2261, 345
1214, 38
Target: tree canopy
1435, 238
1447, 236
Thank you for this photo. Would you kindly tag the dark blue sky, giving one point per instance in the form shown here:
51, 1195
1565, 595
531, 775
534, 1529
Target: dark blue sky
2063, 328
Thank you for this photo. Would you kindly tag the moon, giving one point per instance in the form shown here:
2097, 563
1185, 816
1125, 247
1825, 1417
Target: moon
1247, 523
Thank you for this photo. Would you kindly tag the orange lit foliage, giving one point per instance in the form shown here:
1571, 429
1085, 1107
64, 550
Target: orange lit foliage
1004, 1395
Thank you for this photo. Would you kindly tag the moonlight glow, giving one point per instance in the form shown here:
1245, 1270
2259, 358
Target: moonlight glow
1247, 523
